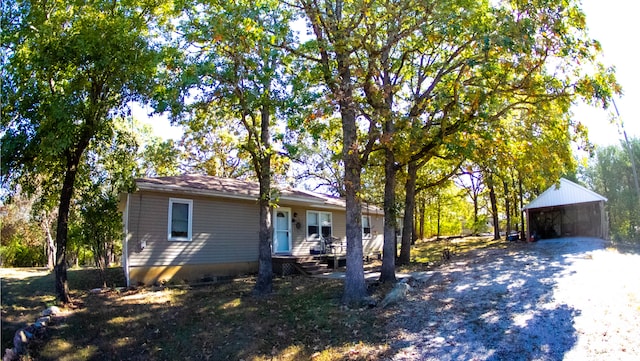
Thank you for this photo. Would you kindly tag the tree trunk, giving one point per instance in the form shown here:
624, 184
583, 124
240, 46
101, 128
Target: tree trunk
494, 207
475, 214
438, 217
389, 249
66, 193
50, 246
522, 233
264, 283
355, 289
423, 210
328, 32
408, 221
507, 205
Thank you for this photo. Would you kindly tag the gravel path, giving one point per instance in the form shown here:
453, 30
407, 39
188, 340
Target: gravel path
566, 299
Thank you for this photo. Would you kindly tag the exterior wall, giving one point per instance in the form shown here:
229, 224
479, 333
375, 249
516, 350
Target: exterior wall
223, 231
302, 245
190, 273
224, 237
374, 244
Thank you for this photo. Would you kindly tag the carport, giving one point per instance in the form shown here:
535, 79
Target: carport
567, 210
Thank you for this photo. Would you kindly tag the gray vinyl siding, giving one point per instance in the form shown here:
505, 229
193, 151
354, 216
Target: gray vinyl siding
223, 231
374, 243
302, 245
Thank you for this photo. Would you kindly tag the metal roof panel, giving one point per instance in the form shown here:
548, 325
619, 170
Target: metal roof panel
567, 193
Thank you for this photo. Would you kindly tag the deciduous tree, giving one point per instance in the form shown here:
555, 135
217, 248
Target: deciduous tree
234, 72
70, 67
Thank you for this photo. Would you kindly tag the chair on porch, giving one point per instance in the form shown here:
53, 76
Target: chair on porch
333, 245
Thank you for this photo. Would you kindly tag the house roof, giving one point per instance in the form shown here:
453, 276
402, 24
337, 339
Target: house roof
567, 193
238, 189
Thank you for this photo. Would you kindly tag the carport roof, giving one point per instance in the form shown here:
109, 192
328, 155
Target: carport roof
567, 193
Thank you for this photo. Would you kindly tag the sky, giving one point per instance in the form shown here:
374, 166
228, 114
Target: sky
614, 24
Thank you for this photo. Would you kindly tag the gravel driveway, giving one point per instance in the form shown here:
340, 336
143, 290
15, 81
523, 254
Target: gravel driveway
565, 299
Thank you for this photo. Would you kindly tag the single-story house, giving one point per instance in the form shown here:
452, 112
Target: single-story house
567, 210
195, 227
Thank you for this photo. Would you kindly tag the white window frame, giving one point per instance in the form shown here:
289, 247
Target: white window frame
319, 213
364, 234
189, 203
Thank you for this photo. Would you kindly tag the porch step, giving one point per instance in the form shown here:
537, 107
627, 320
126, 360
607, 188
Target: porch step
311, 267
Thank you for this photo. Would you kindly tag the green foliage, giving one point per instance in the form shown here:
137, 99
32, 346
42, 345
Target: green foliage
447, 211
69, 69
16, 252
610, 174
21, 237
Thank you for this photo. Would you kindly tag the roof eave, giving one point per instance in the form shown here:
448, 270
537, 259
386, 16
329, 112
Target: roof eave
248, 197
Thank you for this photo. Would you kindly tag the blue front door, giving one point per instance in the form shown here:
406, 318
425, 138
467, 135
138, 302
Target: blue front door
282, 231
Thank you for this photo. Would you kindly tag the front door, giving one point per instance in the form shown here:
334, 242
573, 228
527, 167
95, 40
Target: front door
281, 231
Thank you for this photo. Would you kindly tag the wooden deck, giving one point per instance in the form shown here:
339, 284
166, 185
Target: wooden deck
284, 265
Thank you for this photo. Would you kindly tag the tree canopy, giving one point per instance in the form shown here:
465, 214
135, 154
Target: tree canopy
373, 99
69, 69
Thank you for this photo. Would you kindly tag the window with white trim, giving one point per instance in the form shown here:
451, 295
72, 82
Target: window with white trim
180, 219
319, 224
366, 227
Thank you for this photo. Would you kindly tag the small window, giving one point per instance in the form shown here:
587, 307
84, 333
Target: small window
180, 219
366, 227
319, 224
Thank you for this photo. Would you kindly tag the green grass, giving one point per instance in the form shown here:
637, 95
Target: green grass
303, 318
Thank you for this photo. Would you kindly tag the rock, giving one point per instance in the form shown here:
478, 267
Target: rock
400, 345
44, 320
51, 311
369, 302
398, 293
9, 355
421, 277
20, 340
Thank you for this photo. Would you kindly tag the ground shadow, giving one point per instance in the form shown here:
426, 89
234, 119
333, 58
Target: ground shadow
495, 305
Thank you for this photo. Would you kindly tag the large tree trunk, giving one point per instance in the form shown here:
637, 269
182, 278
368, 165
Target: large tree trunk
408, 221
264, 283
494, 207
355, 289
66, 193
328, 32
389, 250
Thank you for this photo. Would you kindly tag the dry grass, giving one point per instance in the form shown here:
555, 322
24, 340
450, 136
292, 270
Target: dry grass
431, 252
303, 319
